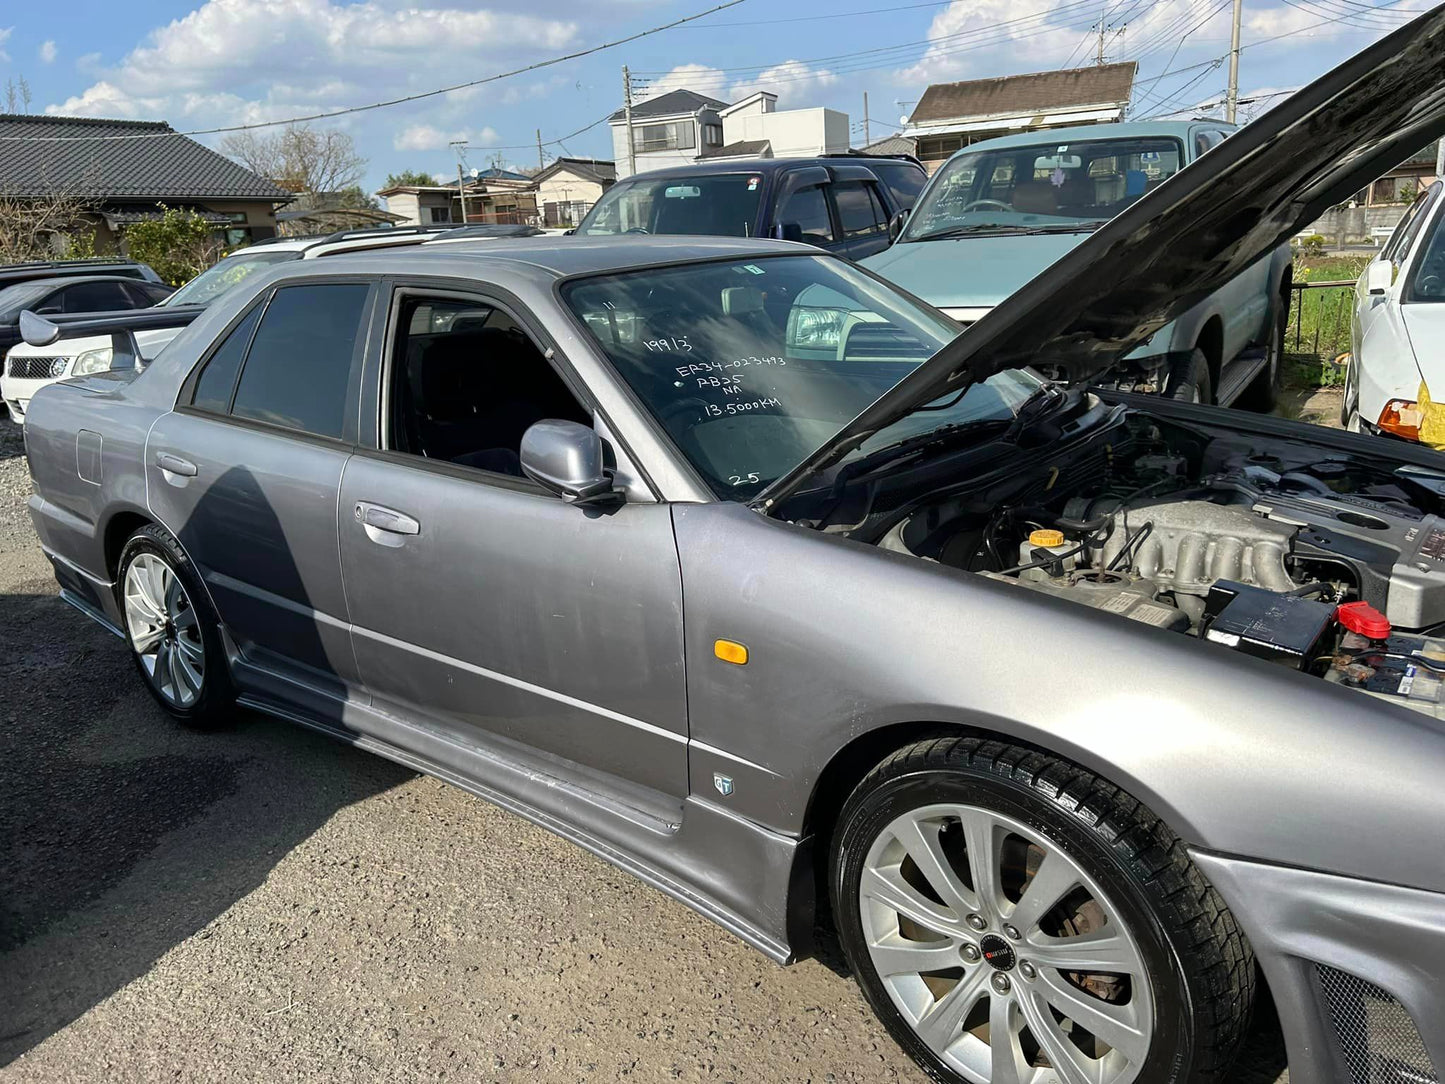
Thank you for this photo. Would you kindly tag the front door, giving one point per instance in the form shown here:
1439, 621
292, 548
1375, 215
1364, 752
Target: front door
246, 473
481, 604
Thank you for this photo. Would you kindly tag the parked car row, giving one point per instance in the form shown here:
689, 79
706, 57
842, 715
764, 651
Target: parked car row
758, 576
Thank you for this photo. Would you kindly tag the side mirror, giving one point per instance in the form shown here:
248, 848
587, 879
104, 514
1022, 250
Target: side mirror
1380, 276
789, 231
566, 458
49, 310
896, 223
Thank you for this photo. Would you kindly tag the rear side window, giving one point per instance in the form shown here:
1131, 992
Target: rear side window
808, 209
218, 378
860, 213
298, 370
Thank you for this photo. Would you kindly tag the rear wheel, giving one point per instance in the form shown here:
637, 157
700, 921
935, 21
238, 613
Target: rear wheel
1013, 919
171, 628
1189, 379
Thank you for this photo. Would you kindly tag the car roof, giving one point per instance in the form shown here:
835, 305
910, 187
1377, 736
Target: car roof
549, 257
706, 168
1129, 129
72, 280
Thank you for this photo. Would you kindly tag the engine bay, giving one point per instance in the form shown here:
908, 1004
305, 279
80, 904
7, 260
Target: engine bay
1320, 561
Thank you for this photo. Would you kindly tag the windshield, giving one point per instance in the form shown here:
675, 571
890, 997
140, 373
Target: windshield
226, 276
15, 299
1064, 185
724, 204
752, 365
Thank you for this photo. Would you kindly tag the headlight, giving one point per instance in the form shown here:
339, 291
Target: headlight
819, 328
92, 361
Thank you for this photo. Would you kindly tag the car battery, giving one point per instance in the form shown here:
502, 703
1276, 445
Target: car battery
1400, 668
1284, 629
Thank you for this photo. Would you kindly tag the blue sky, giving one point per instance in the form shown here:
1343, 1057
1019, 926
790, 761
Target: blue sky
204, 63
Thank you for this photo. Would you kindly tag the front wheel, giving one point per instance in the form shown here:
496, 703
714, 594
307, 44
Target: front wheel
172, 629
1013, 919
1189, 380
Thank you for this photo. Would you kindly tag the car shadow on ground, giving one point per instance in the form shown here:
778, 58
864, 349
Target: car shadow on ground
122, 832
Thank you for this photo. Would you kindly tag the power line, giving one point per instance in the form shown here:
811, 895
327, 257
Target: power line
393, 101
833, 15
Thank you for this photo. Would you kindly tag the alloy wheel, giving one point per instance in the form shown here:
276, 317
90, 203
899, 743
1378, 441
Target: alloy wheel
164, 630
1002, 953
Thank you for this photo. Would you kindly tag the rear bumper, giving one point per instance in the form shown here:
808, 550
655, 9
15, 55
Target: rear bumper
1357, 969
94, 595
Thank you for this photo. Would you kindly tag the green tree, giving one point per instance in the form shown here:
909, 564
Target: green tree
351, 198
408, 178
179, 245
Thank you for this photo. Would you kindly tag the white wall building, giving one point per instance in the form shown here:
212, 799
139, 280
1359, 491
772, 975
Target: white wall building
789, 133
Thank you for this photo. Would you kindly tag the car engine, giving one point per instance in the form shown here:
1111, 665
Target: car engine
1324, 563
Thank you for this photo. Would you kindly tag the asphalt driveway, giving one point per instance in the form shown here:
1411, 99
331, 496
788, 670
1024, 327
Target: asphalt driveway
264, 903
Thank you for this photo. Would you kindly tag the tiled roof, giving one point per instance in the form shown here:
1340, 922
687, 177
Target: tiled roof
118, 159
599, 170
664, 105
1015, 94
743, 148
894, 144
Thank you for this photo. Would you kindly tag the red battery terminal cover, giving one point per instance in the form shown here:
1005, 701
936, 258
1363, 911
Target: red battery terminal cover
1364, 619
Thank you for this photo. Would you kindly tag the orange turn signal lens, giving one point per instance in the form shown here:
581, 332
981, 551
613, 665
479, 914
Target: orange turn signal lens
730, 651
1402, 417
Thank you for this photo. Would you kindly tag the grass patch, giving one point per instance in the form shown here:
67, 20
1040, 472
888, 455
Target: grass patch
1312, 371
1319, 324
1325, 268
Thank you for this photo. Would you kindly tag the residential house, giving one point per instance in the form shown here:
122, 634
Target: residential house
951, 116
568, 187
122, 170
1403, 183
894, 144
755, 128
492, 195
671, 129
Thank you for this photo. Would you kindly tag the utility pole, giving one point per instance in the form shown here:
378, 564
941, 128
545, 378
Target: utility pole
867, 128
461, 146
627, 112
541, 161
1231, 99
1103, 29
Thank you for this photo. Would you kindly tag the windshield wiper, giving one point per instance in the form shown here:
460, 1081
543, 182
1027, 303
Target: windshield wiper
1088, 225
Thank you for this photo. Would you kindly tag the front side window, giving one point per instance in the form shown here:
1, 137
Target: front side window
466, 381
860, 214
724, 204
95, 297
1066, 186
1427, 275
752, 365
804, 216
298, 370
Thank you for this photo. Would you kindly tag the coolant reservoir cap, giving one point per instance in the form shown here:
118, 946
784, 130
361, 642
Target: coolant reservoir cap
1363, 618
1046, 538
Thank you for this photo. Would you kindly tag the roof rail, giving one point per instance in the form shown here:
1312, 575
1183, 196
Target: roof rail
866, 154
390, 231
108, 261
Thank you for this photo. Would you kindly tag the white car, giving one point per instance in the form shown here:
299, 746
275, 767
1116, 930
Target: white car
29, 368
1395, 380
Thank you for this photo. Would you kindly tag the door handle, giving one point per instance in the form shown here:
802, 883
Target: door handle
385, 519
174, 464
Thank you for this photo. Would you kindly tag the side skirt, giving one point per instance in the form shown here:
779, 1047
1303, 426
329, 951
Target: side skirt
755, 883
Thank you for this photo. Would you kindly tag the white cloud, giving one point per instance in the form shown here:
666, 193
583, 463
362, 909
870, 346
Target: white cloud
231, 59
426, 137
794, 82
48, 52
4, 34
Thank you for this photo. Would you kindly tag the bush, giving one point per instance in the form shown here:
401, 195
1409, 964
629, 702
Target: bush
1313, 245
178, 246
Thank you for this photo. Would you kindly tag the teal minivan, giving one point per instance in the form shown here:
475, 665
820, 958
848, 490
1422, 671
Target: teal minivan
1002, 210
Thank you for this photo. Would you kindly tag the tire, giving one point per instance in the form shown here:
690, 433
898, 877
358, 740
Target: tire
1262, 395
1189, 380
1179, 999
172, 630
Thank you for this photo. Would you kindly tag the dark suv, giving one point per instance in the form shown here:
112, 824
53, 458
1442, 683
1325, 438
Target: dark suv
843, 203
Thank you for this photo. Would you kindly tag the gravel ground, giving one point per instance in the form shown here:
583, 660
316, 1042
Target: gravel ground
262, 903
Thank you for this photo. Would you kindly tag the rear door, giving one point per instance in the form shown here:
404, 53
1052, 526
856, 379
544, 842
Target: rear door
862, 218
246, 472
481, 603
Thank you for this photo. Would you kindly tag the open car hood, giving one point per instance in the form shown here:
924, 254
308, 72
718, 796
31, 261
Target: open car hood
1191, 235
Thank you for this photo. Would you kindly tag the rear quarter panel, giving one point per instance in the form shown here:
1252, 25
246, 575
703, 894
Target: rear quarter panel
1235, 754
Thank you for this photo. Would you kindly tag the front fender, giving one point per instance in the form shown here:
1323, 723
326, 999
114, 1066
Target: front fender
1237, 755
